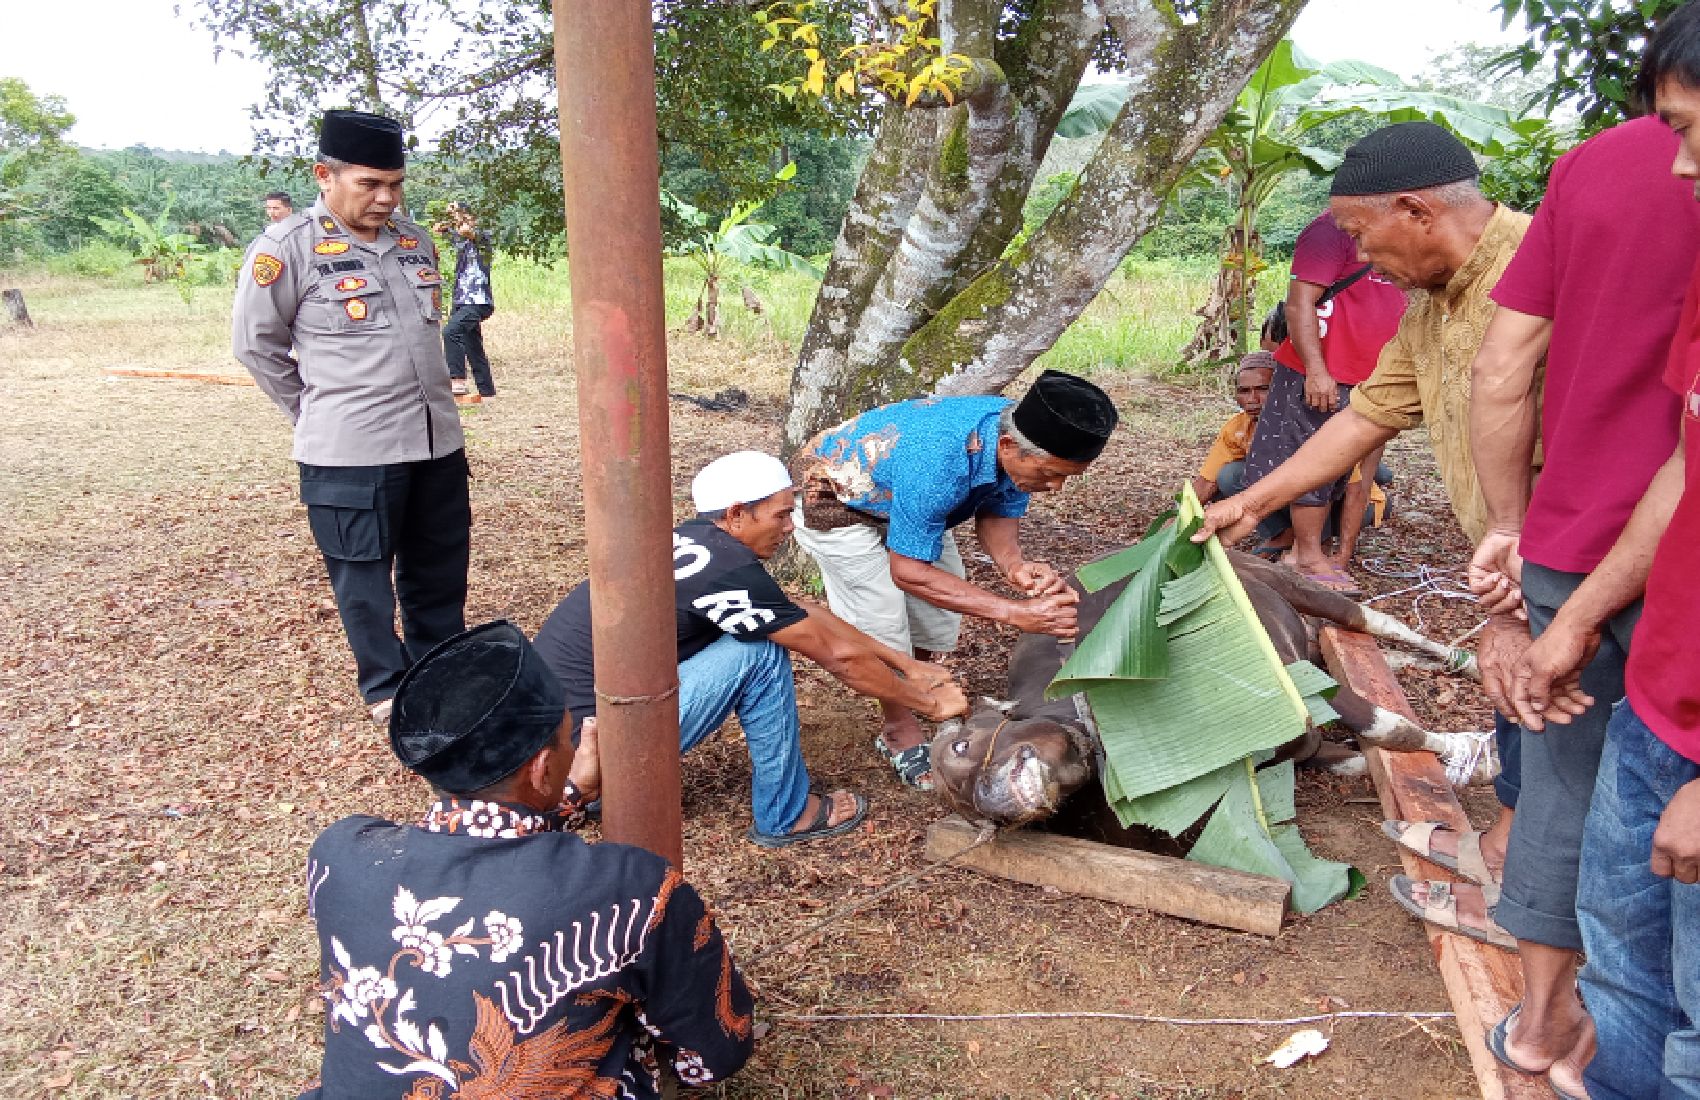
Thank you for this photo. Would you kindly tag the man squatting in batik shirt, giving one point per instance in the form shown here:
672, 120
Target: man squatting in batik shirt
484, 951
736, 632
881, 494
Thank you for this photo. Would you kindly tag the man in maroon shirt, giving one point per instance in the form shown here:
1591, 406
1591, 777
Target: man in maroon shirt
1595, 288
1339, 314
1640, 929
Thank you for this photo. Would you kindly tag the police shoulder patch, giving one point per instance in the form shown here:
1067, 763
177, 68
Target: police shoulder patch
331, 248
266, 268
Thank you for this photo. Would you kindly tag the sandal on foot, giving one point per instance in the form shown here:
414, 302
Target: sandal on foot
914, 765
816, 829
1496, 1040
1442, 911
1418, 837
1335, 580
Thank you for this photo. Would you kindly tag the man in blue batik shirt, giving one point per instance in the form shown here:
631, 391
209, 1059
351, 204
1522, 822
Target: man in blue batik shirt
882, 492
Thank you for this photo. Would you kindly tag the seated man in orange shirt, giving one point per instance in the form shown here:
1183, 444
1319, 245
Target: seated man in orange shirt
1223, 471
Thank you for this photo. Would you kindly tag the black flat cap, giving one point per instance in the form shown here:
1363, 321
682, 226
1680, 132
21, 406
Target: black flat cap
1407, 156
473, 710
355, 137
1066, 416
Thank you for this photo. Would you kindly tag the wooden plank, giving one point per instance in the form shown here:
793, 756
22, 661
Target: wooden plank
1482, 981
182, 376
1177, 887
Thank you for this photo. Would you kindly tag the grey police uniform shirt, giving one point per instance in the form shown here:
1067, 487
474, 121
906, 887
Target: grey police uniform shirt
365, 384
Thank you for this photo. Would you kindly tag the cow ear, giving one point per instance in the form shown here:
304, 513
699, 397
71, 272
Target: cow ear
1002, 706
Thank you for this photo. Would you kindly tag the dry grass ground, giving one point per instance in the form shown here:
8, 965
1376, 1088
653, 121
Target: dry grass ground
177, 721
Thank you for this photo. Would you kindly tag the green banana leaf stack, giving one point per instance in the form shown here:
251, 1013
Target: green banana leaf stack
1189, 697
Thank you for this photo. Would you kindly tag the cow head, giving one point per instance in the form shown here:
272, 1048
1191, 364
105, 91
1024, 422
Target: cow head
1010, 771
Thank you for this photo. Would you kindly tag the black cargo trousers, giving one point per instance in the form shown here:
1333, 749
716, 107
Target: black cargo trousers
398, 533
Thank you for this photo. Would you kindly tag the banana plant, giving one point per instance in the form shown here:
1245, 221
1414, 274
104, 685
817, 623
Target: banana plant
711, 243
1267, 137
164, 255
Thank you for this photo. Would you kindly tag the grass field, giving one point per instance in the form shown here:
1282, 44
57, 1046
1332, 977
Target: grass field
178, 721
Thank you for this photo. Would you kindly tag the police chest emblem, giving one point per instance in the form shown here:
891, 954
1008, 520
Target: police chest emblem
408, 242
266, 269
355, 308
328, 224
331, 248
351, 283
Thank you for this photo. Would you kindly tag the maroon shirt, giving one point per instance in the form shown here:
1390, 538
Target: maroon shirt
1663, 676
1356, 322
1607, 260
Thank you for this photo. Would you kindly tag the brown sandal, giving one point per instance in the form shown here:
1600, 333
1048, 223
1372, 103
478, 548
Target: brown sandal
1418, 837
1441, 910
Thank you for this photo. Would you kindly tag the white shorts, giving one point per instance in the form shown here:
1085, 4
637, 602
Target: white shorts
856, 568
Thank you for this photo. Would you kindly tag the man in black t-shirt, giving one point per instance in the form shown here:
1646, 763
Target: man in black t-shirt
736, 631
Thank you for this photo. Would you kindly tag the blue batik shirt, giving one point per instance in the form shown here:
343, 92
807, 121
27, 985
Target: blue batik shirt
924, 466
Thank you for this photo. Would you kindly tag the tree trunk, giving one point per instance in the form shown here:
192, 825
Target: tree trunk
920, 293
15, 308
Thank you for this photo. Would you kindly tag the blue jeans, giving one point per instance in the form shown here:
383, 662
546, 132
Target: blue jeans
1641, 932
754, 680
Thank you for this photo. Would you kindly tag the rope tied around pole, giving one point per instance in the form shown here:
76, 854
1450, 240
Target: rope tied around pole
633, 700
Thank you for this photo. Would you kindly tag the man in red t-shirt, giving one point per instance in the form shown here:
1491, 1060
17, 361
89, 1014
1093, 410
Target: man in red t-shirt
1339, 314
1639, 928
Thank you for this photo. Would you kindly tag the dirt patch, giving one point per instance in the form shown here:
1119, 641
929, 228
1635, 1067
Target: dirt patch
177, 722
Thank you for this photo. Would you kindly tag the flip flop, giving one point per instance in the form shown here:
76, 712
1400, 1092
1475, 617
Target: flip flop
1442, 911
914, 765
1496, 1040
816, 829
1335, 580
1562, 1095
1418, 837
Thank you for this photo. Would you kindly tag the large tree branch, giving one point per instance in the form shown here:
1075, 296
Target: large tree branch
1185, 79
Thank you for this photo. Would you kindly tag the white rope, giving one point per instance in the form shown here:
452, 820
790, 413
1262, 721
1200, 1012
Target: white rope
1125, 1017
1462, 753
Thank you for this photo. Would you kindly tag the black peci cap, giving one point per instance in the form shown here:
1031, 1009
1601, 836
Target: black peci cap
1407, 156
356, 137
1066, 416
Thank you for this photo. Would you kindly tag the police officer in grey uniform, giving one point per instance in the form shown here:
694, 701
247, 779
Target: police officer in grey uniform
354, 290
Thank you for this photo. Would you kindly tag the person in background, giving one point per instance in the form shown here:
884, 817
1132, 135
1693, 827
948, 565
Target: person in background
279, 206
1339, 314
474, 302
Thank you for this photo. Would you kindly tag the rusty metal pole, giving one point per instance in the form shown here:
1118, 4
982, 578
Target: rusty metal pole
605, 70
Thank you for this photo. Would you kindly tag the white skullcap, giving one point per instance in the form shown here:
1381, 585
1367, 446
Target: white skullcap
741, 477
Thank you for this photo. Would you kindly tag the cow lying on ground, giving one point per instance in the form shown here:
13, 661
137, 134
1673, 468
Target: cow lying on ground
1015, 761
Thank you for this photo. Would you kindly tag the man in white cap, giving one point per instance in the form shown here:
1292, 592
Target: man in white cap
736, 632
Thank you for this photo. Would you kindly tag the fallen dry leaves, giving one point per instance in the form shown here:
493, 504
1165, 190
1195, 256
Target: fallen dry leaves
177, 721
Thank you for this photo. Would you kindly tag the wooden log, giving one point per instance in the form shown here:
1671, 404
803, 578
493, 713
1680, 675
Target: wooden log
1178, 887
1483, 982
15, 308
213, 377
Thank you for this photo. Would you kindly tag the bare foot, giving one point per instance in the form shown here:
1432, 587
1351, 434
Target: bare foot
1566, 1073
843, 809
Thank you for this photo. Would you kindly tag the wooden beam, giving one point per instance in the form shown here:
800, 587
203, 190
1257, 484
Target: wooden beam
1178, 887
213, 377
1482, 981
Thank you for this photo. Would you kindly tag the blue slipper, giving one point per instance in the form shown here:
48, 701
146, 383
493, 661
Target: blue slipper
817, 829
1496, 1040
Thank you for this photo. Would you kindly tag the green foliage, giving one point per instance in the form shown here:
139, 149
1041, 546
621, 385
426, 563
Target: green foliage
1593, 47
165, 256
1189, 696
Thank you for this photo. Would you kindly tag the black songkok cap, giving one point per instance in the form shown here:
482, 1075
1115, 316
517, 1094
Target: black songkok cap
1407, 156
1066, 416
475, 709
355, 137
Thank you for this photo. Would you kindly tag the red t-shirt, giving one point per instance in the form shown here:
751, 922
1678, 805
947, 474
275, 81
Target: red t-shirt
1357, 321
1663, 677
1606, 259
